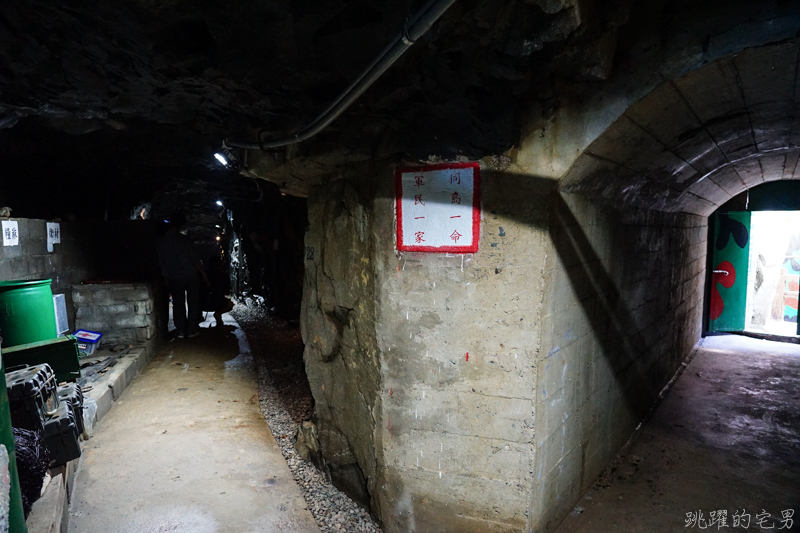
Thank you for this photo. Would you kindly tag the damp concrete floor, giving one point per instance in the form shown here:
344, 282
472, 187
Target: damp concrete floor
725, 440
186, 450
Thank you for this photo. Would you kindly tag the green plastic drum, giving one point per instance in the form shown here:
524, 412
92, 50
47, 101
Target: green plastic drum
26, 312
16, 516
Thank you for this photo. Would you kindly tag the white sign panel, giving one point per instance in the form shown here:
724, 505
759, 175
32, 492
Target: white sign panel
54, 233
438, 208
10, 233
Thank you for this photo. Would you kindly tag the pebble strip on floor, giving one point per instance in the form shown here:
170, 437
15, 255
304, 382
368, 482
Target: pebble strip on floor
333, 510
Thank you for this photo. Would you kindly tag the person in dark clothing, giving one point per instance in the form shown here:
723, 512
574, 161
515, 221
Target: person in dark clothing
182, 272
220, 286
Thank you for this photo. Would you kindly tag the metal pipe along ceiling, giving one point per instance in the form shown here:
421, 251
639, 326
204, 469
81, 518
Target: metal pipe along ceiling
414, 28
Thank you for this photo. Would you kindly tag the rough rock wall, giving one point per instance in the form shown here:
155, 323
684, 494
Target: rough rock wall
338, 325
459, 338
623, 309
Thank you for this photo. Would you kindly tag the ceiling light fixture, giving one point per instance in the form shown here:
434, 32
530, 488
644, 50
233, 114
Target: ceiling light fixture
221, 159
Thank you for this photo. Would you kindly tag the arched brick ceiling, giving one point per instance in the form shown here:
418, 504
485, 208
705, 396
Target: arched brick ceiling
698, 140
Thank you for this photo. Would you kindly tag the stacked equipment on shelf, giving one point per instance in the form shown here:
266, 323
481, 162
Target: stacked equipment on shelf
38, 404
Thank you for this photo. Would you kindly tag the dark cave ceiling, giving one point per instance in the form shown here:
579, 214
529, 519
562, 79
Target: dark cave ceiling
130, 97
126, 100
232, 68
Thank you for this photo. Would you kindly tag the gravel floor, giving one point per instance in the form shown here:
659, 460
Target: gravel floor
286, 401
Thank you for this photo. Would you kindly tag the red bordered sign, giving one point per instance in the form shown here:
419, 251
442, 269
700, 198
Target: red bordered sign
439, 208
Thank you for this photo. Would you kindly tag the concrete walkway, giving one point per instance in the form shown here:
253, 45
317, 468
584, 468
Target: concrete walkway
186, 450
726, 438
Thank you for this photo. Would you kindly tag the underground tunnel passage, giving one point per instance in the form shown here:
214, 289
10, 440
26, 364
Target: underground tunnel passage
486, 290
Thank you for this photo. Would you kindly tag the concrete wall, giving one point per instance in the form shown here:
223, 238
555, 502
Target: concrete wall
623, 309
112, 250
456, 433
574, 316
66, 265
444, 443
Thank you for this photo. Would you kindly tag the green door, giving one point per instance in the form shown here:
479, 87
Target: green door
729, 260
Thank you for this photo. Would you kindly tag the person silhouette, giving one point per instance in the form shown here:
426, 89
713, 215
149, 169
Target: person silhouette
182, 273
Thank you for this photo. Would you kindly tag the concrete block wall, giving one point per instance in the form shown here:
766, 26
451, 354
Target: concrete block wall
66, 265
440, 441
623, 309
123, 312
122, 249
459, 338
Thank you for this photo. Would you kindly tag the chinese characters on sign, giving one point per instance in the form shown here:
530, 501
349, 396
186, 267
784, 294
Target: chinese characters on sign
53, 235
10, 233
739, 519
54, 232
438, 208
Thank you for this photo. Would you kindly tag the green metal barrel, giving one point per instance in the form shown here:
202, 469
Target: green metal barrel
16, 516
26, 312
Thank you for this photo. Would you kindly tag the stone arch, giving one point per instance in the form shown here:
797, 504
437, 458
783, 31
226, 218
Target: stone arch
697, 140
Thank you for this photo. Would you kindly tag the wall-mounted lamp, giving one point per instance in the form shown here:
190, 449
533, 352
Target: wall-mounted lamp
219, 203
226, 158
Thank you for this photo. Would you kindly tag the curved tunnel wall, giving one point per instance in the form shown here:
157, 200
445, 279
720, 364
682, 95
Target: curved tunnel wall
629, 241
696, 141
